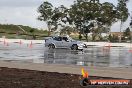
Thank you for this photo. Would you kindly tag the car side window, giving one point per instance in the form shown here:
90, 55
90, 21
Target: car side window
58, 38
65, 39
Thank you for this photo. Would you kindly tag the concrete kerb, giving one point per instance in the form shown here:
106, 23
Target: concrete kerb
125, 73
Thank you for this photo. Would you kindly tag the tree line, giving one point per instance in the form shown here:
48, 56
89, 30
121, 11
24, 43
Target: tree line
83, 16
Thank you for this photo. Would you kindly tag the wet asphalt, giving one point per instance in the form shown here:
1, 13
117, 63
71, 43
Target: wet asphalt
91, 56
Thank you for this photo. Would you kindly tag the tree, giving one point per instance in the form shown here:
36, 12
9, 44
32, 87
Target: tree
83, 14
60, 16
46, 12
127, 33
67, 30
122, 13
108, 17
32, 33
92, 16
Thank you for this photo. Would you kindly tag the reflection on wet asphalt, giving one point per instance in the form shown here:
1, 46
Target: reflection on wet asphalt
92, 56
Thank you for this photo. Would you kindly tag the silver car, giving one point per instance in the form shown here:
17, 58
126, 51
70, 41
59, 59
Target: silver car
63, 42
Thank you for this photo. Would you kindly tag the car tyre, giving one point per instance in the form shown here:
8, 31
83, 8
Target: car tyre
74, 47
51, 46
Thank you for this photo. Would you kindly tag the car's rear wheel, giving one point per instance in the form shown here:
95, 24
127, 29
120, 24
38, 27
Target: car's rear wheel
51, 46
74, 47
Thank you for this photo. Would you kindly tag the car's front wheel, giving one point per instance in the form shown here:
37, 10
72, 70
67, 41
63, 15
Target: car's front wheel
74, 47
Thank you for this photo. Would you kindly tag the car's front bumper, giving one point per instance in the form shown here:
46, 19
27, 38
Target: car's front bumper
82, 46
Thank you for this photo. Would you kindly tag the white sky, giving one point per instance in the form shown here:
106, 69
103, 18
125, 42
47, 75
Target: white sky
24, 12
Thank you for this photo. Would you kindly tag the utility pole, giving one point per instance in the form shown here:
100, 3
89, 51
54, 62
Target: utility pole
120, 31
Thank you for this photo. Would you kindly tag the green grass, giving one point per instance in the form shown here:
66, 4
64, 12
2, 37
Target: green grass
13, 31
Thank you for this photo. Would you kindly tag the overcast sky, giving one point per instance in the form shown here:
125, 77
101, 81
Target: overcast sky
24, 12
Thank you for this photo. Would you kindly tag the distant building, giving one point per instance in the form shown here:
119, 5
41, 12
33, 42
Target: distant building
103, 34
117, 33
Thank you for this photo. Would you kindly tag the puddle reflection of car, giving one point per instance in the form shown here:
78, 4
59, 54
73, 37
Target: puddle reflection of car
63, 42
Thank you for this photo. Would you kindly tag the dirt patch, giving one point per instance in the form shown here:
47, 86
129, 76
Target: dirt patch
21, 78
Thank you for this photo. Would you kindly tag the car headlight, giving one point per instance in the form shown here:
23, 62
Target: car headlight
84, 45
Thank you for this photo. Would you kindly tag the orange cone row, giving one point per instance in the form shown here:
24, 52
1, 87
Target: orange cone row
20, 42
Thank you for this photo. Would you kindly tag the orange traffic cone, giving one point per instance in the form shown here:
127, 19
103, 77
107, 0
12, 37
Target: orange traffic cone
4, 42
7, 44
31, 45
20, 42
130, 48
130, 51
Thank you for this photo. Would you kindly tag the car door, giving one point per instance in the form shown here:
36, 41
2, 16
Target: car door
65, 42
58, 41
